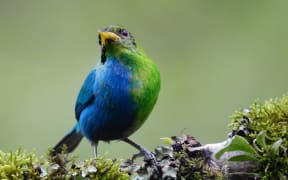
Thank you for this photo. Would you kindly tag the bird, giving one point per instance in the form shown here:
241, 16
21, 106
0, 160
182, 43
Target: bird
117, 95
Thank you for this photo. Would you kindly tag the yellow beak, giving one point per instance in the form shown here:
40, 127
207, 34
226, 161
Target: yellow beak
104, 36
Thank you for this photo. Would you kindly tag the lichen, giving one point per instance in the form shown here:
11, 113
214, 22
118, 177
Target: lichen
177, 161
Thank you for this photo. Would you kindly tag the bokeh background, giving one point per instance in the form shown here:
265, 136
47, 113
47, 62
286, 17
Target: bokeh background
215, 57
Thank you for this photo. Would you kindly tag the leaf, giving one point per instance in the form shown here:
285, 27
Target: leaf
243, 157
260, 139
167, 140
238, 143
275, 147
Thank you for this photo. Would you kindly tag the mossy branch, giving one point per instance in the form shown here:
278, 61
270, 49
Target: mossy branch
256, 148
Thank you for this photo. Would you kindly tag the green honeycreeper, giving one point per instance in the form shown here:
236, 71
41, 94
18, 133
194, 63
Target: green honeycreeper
118, 94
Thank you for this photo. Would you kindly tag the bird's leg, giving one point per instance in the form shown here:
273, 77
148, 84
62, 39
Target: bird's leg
149, 156
94, 147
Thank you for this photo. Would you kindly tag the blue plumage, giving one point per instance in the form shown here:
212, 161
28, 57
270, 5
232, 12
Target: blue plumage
86, 94
104, 107
111, 113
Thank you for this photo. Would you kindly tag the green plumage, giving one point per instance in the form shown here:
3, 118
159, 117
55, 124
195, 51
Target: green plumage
146, 86
145, 81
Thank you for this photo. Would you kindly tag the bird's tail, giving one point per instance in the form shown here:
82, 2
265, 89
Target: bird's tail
71, 141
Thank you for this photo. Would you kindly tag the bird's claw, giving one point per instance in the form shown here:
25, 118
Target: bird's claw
148, 157
135, 156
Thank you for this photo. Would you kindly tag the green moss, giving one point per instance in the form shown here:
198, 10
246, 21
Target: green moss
21, 165
271, 116
64, 165
264, 126
173, 161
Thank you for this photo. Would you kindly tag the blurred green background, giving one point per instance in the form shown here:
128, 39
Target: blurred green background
215, 57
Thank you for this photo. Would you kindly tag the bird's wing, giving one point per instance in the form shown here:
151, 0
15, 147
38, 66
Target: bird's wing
86, 94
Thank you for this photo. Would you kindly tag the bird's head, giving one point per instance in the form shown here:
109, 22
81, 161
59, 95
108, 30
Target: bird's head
115, 38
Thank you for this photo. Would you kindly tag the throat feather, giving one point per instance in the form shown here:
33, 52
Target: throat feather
103, 56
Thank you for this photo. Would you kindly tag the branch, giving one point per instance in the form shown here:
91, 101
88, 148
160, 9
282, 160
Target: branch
256, 148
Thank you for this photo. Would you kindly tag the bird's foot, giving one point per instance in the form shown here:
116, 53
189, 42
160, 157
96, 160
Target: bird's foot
149, 157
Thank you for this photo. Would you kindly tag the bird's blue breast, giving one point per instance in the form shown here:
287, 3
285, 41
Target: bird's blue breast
111, 114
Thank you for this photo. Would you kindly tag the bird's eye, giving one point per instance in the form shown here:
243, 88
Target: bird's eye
123, 32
